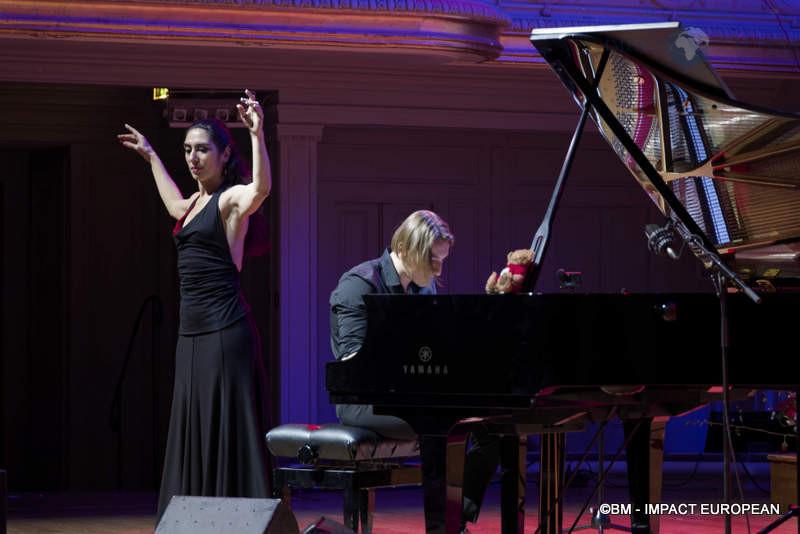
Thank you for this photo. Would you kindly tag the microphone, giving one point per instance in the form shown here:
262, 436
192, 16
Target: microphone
661, 240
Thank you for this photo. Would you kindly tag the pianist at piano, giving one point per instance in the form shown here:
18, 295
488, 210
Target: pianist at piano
411, 265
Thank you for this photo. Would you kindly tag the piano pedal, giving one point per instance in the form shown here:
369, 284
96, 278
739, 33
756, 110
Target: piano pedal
621, 390
601, 523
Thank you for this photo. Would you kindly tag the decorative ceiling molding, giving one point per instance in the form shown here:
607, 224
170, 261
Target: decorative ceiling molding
744, 35
448, 30
474, 10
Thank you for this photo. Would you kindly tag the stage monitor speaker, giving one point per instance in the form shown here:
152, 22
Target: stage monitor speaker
222, 515
326, 526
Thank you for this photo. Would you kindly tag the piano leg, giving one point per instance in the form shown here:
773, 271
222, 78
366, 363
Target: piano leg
442, 479
551, 481
644, 457
513, 462
456, 449
657, 433
480, 467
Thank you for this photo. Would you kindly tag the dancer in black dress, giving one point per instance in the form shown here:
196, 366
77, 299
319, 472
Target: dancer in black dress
215, 445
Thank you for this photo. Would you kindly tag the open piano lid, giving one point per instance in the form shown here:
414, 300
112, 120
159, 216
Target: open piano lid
731, 169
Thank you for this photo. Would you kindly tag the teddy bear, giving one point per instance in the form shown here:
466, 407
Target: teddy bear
511, 278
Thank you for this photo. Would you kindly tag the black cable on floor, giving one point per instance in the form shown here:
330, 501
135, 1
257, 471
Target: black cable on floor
752, 479
685, 482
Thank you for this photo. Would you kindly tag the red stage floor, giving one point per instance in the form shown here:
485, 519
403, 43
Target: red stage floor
399, 510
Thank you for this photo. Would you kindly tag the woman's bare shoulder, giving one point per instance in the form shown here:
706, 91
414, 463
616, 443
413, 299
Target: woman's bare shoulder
180, 207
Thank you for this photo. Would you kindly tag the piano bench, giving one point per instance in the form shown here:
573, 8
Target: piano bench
351, 459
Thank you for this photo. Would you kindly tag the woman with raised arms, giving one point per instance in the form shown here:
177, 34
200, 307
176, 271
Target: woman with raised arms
215, 445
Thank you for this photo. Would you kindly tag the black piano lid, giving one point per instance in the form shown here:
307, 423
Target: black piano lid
732, 169
646, 41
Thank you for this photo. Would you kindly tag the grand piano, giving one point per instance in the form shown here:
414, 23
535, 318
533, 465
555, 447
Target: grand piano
726, 177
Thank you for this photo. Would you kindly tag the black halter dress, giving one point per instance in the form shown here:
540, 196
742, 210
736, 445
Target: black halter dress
215, 445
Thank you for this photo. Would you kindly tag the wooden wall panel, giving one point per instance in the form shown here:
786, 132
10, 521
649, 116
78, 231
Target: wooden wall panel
468, 261
404, 164
624, 258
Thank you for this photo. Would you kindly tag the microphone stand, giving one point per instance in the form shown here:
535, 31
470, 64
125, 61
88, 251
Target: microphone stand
600, 521
722, 274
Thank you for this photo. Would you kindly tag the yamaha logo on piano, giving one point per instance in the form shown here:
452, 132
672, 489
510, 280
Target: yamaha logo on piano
425, 354
425, 368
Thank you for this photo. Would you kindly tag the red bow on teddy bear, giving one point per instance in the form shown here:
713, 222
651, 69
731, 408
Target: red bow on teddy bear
512, 277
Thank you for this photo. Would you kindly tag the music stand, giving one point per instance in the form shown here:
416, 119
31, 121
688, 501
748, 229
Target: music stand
568, 52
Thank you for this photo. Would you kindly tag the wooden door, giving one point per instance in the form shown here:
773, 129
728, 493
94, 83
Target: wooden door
33, 231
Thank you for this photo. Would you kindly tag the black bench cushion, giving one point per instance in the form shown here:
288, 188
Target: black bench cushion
337, 442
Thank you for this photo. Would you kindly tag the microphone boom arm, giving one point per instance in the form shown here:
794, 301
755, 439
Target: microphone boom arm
694, 240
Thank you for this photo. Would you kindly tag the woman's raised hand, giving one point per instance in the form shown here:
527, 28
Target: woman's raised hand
250, 112
136, 141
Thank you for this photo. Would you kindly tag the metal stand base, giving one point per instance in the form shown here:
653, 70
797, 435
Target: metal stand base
794, 511
601, 522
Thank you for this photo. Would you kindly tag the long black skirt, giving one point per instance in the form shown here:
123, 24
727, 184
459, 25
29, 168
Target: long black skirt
215, 445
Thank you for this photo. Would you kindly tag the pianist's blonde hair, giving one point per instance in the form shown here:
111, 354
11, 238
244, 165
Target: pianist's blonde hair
415, 237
